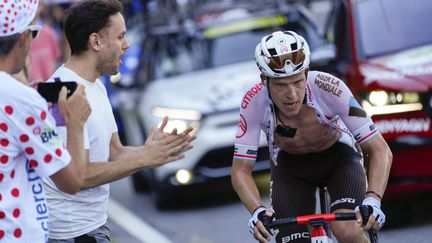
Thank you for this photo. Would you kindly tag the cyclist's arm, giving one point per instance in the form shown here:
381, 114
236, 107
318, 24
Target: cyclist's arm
380, 157
246, 144
244, 184
360, 124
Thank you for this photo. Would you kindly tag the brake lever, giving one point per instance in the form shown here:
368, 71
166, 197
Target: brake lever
373, 237
365, 212
266, 220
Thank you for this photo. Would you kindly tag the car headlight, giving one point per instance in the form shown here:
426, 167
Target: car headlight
178, 118
183, 176
381, 102
378, 98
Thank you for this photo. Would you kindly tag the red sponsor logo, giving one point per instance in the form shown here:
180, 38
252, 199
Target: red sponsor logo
250, 94
242, 128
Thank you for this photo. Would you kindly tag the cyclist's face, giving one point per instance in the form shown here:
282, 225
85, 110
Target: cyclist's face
288, 93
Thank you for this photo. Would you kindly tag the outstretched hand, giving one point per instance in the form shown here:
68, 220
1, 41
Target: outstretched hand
160, 134
167, 147
164, 150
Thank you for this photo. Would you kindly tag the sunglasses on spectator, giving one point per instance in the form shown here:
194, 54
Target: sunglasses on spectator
34, 29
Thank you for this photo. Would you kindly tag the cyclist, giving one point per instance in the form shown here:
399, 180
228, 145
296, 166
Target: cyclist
313, 125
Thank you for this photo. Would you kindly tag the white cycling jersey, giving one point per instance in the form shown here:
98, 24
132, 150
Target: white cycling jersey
326, 94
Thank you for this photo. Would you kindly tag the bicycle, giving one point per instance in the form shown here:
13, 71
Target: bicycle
321, 232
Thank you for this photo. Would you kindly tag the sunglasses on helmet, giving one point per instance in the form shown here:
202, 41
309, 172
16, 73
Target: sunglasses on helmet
279, 62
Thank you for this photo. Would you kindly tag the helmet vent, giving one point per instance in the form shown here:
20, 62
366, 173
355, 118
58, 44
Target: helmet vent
268, 37
298, 67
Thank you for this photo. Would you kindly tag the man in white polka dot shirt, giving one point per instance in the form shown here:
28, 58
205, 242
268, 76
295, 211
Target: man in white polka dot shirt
29, 145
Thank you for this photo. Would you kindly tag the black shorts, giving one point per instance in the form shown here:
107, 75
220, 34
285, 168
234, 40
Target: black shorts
295, 179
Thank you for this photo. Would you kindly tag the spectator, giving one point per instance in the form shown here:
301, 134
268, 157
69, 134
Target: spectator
96, 32
55, 10
29, 146
45, 51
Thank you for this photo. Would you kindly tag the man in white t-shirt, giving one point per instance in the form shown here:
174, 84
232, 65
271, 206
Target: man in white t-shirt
29, 145
96, 32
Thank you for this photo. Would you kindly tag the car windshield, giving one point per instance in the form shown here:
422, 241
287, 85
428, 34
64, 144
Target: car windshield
234, 48
387, 26
220, 45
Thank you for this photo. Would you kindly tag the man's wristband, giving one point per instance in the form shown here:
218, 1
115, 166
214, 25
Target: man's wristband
376, 194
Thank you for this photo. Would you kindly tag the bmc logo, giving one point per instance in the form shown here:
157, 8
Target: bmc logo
295, 236
251, 152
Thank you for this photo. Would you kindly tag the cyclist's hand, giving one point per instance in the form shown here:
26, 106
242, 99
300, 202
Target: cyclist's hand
376, 218
256, 226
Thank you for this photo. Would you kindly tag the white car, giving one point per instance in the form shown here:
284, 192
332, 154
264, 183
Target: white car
198, 78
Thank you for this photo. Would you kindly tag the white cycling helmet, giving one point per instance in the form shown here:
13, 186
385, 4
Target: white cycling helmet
282, 54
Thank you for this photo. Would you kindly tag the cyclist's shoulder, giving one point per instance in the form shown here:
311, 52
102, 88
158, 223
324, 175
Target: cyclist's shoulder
326, 87
255, 88
256, 96
319, 77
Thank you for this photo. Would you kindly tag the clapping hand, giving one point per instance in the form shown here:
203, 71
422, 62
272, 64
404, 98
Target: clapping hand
160, 134
165, 147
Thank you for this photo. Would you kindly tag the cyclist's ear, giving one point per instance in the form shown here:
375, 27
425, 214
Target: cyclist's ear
263, 79
306, 72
